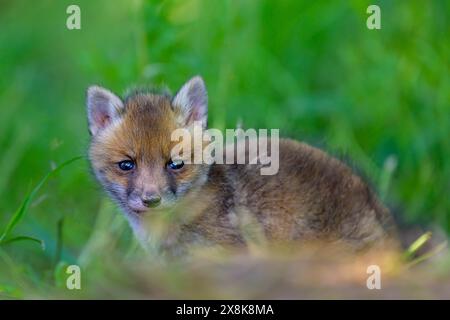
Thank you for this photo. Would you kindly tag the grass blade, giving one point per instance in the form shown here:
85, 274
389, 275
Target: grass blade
18, 215
438, 249
24, 238
416, 245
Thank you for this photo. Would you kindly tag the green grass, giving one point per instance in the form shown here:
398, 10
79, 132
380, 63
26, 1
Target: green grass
310, 68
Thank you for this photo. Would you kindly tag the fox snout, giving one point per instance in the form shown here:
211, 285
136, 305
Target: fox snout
151, 200
140, 201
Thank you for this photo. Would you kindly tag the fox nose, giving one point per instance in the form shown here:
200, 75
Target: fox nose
151, 200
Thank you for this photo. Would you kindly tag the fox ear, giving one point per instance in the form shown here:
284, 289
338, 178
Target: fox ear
103, 107
191, 102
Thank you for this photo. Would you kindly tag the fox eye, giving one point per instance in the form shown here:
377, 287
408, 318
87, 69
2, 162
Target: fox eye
175, 164
126, 165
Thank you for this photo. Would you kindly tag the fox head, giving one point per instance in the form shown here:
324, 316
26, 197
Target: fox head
130, 150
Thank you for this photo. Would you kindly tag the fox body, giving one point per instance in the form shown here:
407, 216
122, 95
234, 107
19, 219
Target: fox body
312, 197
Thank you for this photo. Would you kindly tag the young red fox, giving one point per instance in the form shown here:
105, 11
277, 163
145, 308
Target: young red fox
312, 197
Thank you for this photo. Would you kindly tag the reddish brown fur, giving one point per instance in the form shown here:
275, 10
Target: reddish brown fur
313, 196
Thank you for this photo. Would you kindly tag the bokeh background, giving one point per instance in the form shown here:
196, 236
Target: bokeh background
378, 98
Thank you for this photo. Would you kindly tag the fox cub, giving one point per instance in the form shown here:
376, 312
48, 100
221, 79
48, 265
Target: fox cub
312, 197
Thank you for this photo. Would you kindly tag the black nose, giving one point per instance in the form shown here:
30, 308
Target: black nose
151, 200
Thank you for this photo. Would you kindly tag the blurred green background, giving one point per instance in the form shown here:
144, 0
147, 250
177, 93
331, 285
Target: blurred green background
311, 68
